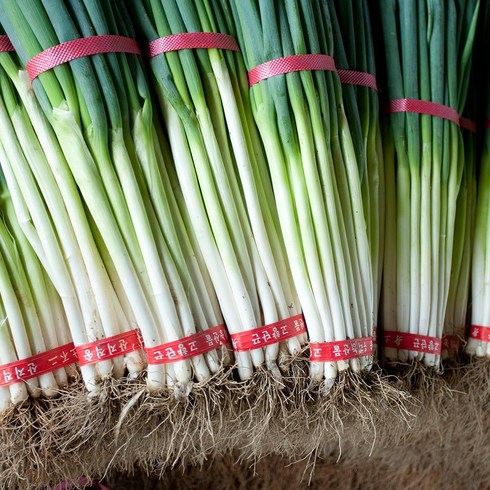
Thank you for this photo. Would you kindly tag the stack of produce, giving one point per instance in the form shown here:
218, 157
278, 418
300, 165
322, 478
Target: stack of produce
234, 191
208, 207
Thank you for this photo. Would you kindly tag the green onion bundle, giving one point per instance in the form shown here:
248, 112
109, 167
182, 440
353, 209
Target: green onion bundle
355, 51
314, 172
31, 314
100, 110
423, 160
40, 208
221, 170
479, 344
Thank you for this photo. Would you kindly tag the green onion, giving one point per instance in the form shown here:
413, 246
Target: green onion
314, 172
423, 161
355, 51
100, 110
28, 307
480, 271
221, 171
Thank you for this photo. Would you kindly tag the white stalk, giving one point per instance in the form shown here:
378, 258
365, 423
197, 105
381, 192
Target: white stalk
199, 219
16, 393
83, 169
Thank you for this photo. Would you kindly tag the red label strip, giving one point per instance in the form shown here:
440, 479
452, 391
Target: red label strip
191, 40
478, 332
451, 343
412, 342
352, 77
78, 48
423, 107
341, 350
110, 347
375, 334
468, 124
487, 123
188, 347
5, 44
288, 64
37, 365
268, 334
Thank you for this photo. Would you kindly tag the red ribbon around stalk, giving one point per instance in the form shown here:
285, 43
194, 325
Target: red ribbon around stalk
412, 342
268, 334
467, 124
79, 48
341, 350
188, 347
353, 77
288, 64
31, 367
191, 40
478, 332
424, 107
5, 44
110, 347
451, 343
487, 123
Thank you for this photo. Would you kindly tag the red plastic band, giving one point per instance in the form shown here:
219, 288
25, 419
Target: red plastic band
110, 347
423, 107
191, 40
352, 77
412, 342
478, 332
451, 343
188, 347
341, 350
78, 48
468, 124
5, 44
34, 366
487, 123
288, 64
375, 334
268, 334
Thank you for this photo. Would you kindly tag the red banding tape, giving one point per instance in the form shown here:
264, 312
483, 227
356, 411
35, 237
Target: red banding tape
375, 334
452, 343
288, 64
468, 124
412, 342
423, 107
5, 44
78, 48
188, 347
46, 362
353, 77
487, 123
477, 332
341, 350
191, 40
110, 347
268, 334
